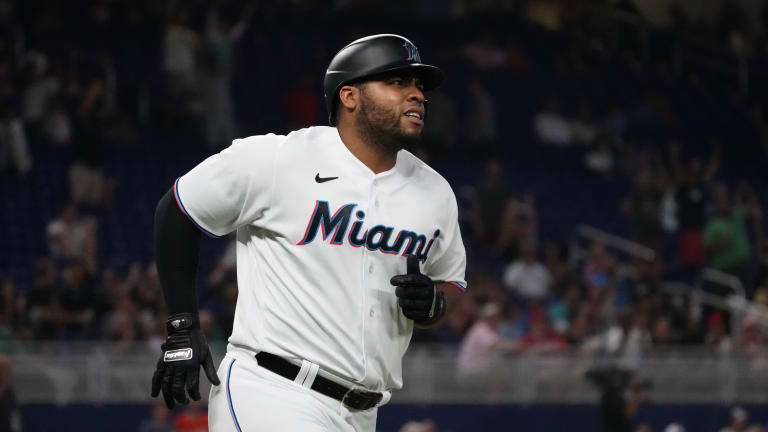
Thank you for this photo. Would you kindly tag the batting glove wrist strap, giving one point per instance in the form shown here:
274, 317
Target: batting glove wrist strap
439, 311
182, 321
417, 296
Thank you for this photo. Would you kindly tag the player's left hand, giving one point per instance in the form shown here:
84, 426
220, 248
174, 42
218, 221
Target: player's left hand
417, 295
178, 370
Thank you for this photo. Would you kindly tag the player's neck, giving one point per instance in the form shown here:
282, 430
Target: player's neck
375, 157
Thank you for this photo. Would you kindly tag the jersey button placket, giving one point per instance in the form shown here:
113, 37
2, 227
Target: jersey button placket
368, 269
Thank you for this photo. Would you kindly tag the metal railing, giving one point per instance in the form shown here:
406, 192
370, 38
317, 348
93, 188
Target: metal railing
734, 301
609, 240
58, 373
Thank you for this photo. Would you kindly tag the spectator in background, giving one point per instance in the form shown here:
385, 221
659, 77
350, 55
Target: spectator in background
600, 268
39, 91
217, 60
76, 302
426, 425
226, 264
579, 328
725, 235
194, 418
540, 337
87, 183
526, 277
482, 347
88, 186
738, 422
148, 294
663, 335
57, 126
488, 205
513, 323
10, 416
112, 288
635, 340
599, 160
644, 281
616, 122
740, 48
643, 206
583, 126
692, 185
212, 332
554, 260
550, 126
519, 226
160, 421
439, 134
716, 337
752, 341
484, 53
454, 326
11, 310
71, 237
15, 158
41, 307
480, 120
761, 294
123, 325
180, 45
301, 103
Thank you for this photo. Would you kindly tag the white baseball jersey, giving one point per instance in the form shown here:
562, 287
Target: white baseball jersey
319, 236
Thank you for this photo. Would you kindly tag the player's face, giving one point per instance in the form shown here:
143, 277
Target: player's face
392, 110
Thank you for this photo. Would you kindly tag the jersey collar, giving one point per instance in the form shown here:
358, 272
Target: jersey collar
362, 169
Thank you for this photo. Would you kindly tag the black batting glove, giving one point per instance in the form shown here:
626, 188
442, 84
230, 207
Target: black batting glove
417, 295
178, 370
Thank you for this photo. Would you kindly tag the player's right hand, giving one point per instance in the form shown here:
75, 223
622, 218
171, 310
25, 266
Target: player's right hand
178, 370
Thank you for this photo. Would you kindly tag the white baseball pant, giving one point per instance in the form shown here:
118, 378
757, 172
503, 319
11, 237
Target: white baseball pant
253, 399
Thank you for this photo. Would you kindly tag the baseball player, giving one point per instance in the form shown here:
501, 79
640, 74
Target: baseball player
345, 242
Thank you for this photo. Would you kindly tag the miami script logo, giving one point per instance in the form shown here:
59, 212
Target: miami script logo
376, 238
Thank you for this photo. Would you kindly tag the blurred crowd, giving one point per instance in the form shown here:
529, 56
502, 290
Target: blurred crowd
657, 110
87, 78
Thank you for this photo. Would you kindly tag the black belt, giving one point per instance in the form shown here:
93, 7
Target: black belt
353, 398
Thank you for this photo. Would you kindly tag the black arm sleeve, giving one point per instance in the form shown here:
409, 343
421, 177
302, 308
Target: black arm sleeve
177, 245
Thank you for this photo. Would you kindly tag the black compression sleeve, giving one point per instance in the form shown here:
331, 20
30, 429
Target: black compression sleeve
177, 245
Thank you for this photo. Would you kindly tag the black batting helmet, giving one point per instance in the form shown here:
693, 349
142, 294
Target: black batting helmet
370, 56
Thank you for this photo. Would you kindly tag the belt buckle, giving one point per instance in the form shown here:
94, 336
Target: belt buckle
360, 400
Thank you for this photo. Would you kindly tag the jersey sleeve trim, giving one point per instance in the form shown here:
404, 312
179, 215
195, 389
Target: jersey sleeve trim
459, 286
186, 213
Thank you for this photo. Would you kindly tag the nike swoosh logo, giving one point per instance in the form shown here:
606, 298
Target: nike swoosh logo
323, 179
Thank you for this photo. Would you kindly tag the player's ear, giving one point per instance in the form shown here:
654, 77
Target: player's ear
349, 97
